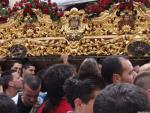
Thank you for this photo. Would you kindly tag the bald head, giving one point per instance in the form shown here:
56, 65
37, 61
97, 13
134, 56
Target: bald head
145, 67
143, 80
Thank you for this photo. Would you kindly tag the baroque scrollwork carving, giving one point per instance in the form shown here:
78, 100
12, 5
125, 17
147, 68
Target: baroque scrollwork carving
75, 34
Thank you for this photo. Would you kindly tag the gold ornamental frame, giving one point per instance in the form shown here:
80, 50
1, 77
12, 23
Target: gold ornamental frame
75, 34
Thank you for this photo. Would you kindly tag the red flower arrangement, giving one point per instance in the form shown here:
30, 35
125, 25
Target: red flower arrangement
92, 9
27, 5
97, 7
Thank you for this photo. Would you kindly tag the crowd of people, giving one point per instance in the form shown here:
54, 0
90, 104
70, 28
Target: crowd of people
114, 86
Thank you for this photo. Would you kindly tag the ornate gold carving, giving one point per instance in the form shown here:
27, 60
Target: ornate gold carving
73, 24
74, 33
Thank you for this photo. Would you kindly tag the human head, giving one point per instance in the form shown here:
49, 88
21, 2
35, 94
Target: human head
121, 98
7, 105
89, 67
17, 66
28, 69
82, 93
1, 70
31, 89
40, 74
12, 79
117, 69
55, 76
143, 80
145, 67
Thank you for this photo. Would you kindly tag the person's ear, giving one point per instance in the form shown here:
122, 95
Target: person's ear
148, 93
116, 78
11, 83
77, 103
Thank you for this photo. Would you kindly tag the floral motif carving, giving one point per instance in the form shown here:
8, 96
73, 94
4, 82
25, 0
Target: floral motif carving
75, 34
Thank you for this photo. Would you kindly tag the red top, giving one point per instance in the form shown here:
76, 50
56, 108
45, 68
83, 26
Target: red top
63, 107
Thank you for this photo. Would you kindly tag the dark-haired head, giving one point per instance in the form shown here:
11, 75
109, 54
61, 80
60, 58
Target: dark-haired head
89, 68
83, 89
55, 76
12, 79
82, 93
121, 98
16, 66
28, 69
117, 69
31, 89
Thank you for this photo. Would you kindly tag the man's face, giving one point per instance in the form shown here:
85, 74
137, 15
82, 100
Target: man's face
29, 71
128, 73
17, 80
17, 67
88, 108
29, 95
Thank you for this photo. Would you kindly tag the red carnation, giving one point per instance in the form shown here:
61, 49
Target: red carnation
36, 1
56, 9
9, 10
59, 9
38, 5
21, 4
49, 4
24, 1
54, 4
46, 10
30, 10
25, 11
7, 2
88, 7
105, 2
60, 14
15, 8
122, 6
95, 7
89, 11
146, 2
100, 9
29, 5
53, 11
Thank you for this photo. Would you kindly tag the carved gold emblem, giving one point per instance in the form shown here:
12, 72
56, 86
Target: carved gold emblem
75, 34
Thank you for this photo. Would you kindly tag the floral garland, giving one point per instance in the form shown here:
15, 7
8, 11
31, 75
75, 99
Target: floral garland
97, 7
47, 8
93, 9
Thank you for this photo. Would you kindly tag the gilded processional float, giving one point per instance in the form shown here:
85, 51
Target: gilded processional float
31, 28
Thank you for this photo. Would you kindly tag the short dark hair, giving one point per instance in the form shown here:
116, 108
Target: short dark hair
83, 89
33, 82
111, 65
143, 80
40, 74
89, 68
27, 65
121, 98
12, 64
7, 76
55, 76
7, 105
